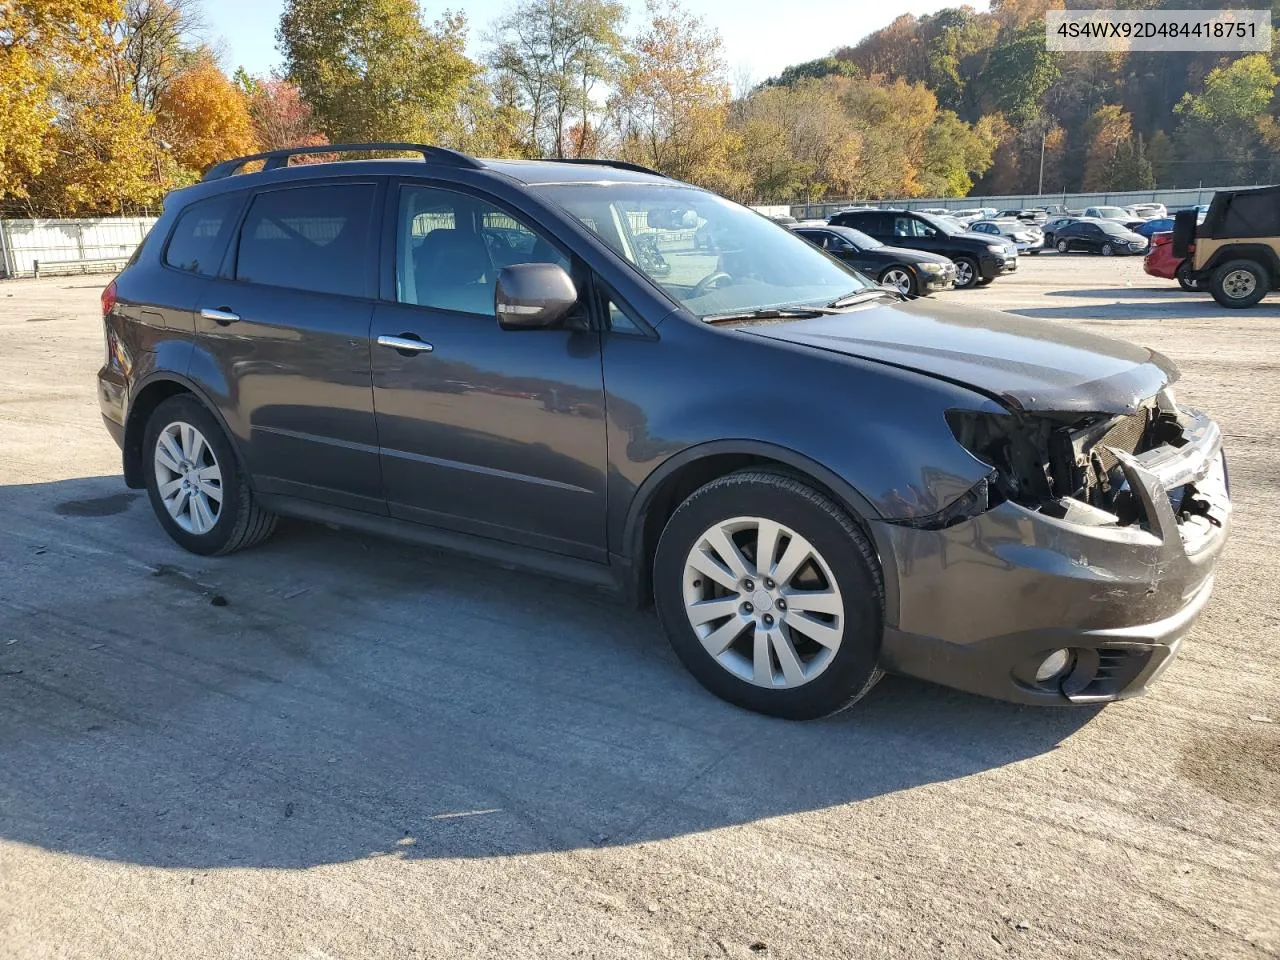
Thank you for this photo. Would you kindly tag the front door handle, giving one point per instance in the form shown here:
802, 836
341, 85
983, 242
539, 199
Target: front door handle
221, 315
406, 344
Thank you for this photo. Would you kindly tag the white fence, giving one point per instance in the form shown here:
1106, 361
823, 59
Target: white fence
30, 248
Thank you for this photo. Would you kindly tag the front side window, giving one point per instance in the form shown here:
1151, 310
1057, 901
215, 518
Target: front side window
200, 235
709, 254
451, 247
314, 238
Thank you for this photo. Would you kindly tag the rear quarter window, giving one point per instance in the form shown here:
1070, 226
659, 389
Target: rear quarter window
200, 235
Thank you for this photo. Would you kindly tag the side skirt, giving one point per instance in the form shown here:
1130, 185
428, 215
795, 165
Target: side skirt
526, 558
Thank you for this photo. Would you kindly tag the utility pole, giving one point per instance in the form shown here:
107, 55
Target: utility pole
1044, 134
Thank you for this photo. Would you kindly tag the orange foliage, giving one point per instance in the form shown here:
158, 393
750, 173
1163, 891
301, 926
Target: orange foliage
204, 117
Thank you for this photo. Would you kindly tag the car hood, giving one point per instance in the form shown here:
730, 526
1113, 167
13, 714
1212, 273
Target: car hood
910, 256
1024, 364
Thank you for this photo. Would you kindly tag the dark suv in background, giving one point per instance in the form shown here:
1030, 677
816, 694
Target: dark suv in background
591, 370
978, 259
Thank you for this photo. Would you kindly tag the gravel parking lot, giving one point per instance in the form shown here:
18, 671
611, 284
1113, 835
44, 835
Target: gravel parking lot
338, 747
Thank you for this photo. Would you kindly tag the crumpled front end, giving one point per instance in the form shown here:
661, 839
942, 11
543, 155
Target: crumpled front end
1075, 569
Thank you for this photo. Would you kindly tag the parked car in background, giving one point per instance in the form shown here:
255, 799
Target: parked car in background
1147, 211
935, 211
1118, 214
785, 219
1027, 237
1053, 225
1235, 251
1150, 228
1037, 216
979, 259
1052, 210
813, 480
1161, 261
1106, 237
969, 215
912, 273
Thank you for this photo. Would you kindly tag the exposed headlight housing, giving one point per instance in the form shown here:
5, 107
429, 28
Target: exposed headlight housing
974, 502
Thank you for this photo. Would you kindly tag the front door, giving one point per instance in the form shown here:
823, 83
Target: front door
485, 431
283, 335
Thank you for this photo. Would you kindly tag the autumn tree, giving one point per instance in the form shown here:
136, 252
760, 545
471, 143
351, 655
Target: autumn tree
372, 69
102, 160
278, 114
557, 55
204, 117
156, 39
672, 99
954, 155
43, 43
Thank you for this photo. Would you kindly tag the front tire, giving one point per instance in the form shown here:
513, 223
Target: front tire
771, 596
1108, 250
1064, 246
901, 279
1239, 283
967, 273
195, 483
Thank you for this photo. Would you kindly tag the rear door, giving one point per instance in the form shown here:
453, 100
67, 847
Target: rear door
283, 336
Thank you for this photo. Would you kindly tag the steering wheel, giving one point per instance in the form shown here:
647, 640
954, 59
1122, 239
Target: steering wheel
712, 281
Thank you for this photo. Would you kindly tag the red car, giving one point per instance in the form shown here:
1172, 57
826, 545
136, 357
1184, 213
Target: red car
1160, 262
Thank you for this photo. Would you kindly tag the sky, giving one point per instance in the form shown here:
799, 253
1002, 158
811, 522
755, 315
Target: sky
760, 36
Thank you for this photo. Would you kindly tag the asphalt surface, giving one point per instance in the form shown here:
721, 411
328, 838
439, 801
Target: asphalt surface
338, 747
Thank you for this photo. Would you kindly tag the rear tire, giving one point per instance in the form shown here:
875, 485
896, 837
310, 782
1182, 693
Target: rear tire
803, 647
1239, 283
195, 483
1064, 246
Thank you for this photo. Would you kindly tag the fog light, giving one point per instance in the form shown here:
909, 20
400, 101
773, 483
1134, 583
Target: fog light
1052, 665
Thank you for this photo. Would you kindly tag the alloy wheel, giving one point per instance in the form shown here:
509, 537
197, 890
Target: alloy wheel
1107, 250
1062, 246
964, 273
188, 478
763, 602
898, 279
1239, 284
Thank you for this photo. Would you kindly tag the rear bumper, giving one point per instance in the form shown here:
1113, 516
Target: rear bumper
983, 603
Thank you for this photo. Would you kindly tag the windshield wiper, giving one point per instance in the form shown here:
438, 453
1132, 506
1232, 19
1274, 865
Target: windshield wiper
862, 296
770, 313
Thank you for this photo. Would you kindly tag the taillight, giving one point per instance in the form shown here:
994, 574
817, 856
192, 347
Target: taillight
1160, 239
108, 298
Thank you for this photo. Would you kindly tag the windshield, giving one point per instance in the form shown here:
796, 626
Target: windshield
949, 227
711, 255
1113, 213
1114, 229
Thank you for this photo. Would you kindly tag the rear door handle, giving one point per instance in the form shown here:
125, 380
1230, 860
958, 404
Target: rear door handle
220, 315
405, 343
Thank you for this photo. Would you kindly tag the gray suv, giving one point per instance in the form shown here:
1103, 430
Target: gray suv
591, 370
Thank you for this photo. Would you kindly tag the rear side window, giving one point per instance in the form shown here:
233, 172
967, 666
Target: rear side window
200, 235
314, 238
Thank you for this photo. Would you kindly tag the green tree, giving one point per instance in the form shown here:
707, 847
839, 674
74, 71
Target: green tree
1018, 74
954, 155
557, 55
814, 70
1222, 133
372, 69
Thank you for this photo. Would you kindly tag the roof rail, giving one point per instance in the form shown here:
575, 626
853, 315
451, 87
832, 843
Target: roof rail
280, 158
619, 164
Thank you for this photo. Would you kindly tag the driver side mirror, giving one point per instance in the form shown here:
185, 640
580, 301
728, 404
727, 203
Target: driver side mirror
532, 295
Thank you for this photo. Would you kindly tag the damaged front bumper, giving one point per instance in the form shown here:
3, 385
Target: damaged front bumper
982, 603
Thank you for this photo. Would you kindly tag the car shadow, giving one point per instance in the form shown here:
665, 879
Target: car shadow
329, 696
1129, 303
